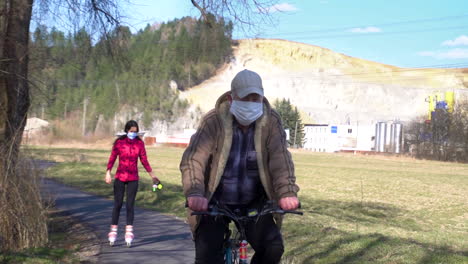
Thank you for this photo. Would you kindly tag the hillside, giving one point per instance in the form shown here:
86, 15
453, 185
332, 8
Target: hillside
123, 75
331, 87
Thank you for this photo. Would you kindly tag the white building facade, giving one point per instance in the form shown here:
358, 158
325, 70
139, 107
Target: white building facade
333, 138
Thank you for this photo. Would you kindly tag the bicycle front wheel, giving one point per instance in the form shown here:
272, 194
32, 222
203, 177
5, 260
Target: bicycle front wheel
230, 256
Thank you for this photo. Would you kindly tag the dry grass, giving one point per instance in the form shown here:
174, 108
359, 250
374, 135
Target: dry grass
23, 220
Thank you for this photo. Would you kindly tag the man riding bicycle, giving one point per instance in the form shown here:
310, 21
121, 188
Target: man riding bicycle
239, 157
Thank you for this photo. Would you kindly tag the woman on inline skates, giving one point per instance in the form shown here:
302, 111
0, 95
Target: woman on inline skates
129, 148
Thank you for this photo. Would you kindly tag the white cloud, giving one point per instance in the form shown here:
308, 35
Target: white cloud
366, 30
460, 41
450, 54
283, 7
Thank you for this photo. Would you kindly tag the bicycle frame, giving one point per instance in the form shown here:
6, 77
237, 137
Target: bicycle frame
230, 250
235, 249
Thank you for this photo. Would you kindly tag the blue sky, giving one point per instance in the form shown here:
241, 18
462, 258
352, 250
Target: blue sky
405, 33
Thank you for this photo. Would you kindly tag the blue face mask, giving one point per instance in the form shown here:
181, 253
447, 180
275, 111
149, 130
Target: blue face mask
132, 135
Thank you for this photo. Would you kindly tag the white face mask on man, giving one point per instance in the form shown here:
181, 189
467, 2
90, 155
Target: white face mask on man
246, 112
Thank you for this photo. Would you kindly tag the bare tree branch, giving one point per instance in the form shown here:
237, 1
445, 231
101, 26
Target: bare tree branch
202, 11
248, 15
96, 16
110, 18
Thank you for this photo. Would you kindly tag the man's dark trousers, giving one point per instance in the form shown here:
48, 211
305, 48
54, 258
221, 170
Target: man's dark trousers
263, 236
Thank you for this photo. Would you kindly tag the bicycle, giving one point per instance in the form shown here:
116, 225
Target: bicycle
235, 247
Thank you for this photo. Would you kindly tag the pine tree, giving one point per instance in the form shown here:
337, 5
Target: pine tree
136, 73
291, 119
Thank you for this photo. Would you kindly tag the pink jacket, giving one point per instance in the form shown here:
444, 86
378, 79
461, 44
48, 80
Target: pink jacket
128, 151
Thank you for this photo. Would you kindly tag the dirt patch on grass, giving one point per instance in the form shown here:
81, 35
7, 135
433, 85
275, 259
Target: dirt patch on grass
68, 233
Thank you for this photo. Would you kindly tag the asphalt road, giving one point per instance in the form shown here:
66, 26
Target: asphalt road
158, 238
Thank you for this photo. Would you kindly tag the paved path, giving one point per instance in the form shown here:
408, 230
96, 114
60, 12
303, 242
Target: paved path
158, 238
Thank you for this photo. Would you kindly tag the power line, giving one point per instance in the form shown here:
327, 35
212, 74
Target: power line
364, 74
375, 25
368, 75
325, 79
350, 34
451, 65
383, 73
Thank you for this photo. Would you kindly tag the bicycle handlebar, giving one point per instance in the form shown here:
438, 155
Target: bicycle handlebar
267, 209
281, 211
210, 213
240, 220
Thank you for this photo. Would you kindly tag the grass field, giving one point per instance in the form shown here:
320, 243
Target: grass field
358, 209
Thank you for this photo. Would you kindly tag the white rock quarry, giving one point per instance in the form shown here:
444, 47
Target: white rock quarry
329, 87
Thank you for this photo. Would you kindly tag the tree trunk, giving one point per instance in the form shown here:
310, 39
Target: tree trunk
14, 73
14, 98
22, 221
3, 91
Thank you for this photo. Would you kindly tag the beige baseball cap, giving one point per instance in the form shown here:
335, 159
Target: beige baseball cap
245, 83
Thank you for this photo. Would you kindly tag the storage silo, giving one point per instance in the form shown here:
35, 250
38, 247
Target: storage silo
380, 136
388, 137
396, 137
391, 138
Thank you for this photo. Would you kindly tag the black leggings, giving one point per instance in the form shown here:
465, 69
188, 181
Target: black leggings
119, 190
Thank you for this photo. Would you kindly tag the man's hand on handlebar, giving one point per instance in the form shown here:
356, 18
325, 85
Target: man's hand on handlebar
289, 203
197, 203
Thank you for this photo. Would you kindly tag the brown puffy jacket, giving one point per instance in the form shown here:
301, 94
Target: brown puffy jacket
205, 158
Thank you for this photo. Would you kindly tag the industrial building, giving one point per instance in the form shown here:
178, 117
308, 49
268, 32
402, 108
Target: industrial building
382, 136
335, 137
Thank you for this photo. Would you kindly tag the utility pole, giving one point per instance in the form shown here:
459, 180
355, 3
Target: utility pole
115, 122
85, 105
42, 111
117, 88
295, 134
189, 75
357, 136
